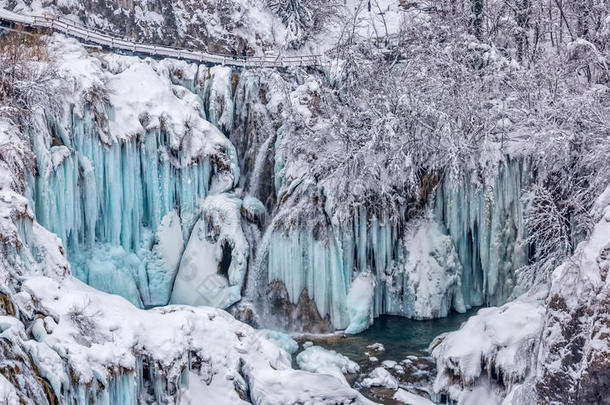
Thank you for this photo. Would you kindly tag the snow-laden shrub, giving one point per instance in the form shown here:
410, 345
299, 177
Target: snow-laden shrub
28, 78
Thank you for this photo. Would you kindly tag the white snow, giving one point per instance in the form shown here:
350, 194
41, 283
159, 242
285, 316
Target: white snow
412, 399
117, 333
502, 340
171, 244
380, 377
7, 392
199, 280
320, 360
432, 271
143, 100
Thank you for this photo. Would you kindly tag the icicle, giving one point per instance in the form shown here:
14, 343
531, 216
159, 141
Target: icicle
105, 202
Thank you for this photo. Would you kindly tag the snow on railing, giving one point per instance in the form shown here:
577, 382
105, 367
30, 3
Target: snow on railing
90, 35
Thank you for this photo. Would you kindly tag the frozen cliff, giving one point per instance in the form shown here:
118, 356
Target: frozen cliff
428, 169
129, 175
549, 347
126, 165
151, 201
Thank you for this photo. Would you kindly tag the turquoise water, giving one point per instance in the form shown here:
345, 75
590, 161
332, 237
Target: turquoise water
405, 341
400, 336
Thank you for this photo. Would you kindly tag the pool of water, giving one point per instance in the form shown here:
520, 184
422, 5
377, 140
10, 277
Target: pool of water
404, 340
400, 336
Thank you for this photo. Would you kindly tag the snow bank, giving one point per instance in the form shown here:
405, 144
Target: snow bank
104, 340
497, 343
300, 387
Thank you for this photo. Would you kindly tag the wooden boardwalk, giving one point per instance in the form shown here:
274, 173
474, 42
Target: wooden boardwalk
114, 43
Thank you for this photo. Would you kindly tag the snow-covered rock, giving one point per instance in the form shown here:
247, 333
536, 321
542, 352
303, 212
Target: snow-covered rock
499, 342
378, 347
319, 360
380, 377
574, 356
409, 398
389, 363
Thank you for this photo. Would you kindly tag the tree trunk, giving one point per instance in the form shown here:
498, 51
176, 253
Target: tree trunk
477, 18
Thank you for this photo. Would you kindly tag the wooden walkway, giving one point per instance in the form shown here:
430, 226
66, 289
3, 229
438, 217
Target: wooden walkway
114, 43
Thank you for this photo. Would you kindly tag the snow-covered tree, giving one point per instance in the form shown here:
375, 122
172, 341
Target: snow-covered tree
28, 78
303, 18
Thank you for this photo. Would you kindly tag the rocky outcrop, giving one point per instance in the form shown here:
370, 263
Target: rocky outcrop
302, 316
574, 362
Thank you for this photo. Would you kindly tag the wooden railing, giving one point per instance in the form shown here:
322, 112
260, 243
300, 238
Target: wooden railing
112, 42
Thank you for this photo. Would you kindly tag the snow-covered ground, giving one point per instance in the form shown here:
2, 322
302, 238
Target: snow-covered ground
497, 341
102, 337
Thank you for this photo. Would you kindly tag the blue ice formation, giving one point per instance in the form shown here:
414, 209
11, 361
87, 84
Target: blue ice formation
108, 202
280, 339
488, 231
129, 214
213, 266
467, 257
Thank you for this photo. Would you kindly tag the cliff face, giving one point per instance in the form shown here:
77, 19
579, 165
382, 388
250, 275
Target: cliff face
214, 26
574, 360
